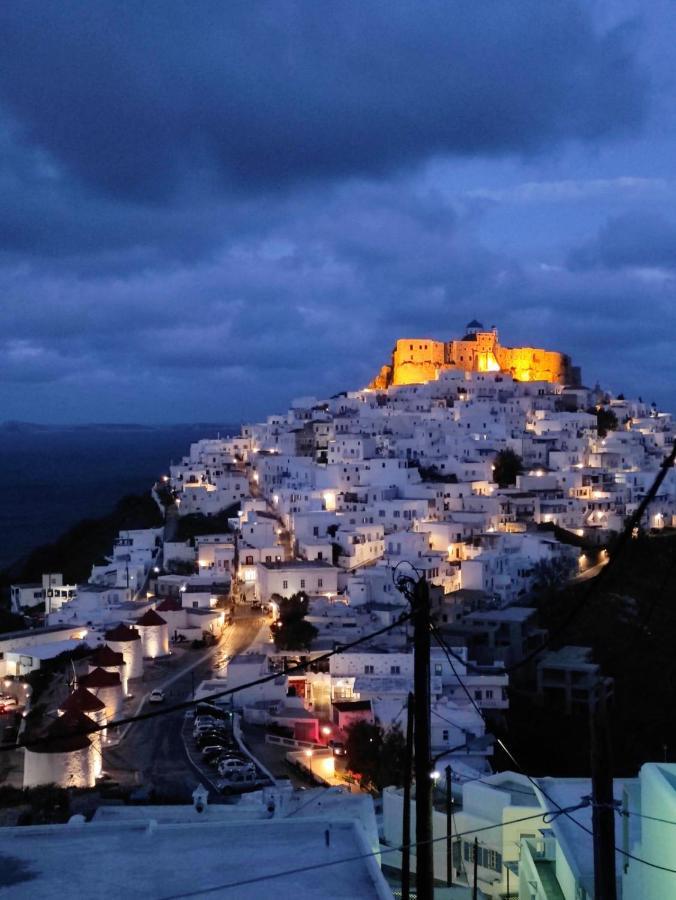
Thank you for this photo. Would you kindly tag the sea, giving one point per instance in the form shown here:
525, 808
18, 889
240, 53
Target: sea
51, 477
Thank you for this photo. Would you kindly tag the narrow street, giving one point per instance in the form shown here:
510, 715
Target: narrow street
152, 753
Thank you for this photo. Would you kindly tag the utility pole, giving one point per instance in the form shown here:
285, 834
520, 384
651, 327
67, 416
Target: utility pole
475, 885
406, 820
603, 811
449, 828
423, 753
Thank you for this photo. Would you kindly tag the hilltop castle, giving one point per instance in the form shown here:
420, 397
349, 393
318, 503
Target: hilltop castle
417, 360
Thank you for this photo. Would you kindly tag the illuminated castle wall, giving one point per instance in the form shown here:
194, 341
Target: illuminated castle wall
415, 361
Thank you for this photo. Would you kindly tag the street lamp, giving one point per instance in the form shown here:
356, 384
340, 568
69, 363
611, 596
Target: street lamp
309, 754
326, 730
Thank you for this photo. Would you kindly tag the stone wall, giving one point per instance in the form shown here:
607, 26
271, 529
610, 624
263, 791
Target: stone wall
418, 360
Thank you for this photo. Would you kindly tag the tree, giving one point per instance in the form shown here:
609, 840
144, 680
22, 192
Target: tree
362, 750
506, 466
606, 421
551, 575
378, 756
291, 631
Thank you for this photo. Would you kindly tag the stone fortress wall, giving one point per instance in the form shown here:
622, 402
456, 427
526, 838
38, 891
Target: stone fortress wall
417, 360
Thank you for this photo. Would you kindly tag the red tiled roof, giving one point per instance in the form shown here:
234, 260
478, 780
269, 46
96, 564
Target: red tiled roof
100, 678
123, 633
151, 618
82, 700
105, 656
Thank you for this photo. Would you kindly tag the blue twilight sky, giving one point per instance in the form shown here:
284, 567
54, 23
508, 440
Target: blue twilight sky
209, 208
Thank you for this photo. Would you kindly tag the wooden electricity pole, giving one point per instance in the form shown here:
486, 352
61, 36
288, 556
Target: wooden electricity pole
406, 818
475, 885
603, 811
423, 751
449, 828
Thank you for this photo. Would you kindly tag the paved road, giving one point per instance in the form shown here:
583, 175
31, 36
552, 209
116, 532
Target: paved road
152, 753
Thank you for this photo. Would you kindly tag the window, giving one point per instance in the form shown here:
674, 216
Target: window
248, 561
302, 582
320, 555
489, 695
368, 670
285, 584
444, 734
395, 670
478, 695
320, 582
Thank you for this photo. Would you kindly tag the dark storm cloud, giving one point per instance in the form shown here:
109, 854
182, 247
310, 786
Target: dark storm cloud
135, 98
632, 240
213, 207
314, 305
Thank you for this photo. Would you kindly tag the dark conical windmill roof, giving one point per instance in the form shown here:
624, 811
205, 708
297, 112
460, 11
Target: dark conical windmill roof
474, 324
105, 656
123, 632
72, 722
82, 700
151, 618
100, 678
66, 734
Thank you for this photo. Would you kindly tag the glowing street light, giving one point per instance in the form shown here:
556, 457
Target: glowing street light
326, 730
309, 754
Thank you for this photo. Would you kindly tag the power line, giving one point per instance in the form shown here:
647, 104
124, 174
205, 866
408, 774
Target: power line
447, 652
537, 785
348, 859
566, 812
226, 692
634, 812
595, 583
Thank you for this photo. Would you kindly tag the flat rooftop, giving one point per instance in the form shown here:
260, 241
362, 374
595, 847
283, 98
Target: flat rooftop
37, 632
509, 614
151, 860
297, 564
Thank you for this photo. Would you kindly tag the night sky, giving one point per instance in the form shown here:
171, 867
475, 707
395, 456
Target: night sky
209, 208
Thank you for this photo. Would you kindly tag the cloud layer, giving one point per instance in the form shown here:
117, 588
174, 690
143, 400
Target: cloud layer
210, 208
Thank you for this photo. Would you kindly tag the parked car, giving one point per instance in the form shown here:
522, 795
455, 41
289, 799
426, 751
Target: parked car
156, 696
212, 749
230, 781
211, 737
210, 729
214, 756
203, 722
204, 726
211, 711
231, 765
338, 747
